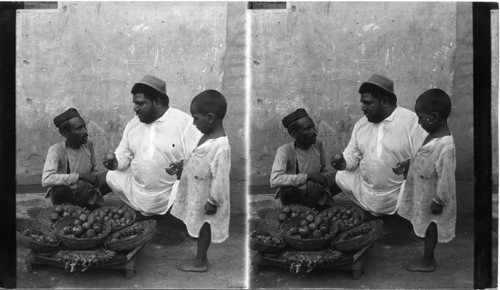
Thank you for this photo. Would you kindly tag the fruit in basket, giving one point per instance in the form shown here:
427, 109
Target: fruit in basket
58, 209
313, 226
317, 234
54, 217
324, 228
304, 231
90, 233
39, 237
77, 231
97, 228
257, 235
83, 217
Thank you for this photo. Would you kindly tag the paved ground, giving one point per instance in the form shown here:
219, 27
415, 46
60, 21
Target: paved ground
155, 266
383, 265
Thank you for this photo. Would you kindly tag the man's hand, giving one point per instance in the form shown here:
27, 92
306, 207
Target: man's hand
436, 208
175, 168
317, 178
109, 161
89, 177
210, 209
402, 168
338, 162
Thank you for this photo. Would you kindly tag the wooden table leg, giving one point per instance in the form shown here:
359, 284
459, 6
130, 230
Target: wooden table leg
30, 259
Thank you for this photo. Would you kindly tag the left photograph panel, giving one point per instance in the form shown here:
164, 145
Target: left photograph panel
130, 145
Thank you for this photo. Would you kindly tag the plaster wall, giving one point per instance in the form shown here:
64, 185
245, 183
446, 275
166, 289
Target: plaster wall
315, 55
88, 55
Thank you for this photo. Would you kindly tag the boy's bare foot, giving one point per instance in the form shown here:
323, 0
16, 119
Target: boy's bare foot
193, 265
421, 265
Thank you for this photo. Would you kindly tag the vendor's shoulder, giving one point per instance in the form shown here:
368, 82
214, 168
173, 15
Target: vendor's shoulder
286, 147
58, 146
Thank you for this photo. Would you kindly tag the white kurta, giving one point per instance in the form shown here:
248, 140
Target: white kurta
205, 176
143, 154
431, 176
372, 152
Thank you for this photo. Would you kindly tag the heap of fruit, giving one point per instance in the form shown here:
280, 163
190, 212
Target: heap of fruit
116, 216
312, 226
266, 238
59, 211
131, 233
288, 212
344, 217
39, 237
305, 262
354, 234
84, 227
84, 259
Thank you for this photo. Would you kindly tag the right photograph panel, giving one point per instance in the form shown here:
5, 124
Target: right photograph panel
361, 149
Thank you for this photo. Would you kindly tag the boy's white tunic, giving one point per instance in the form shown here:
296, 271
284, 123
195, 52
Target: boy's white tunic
431, 176
143, 154
205, 176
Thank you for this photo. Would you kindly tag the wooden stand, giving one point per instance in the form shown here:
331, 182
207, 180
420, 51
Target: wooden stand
122, 261
351, 261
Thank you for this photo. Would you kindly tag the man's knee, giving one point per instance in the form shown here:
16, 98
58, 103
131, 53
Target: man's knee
289, 195
61, 194
315, 192
103, 185
332, 184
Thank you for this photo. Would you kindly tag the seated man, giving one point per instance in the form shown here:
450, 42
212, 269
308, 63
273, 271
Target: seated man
386, 135
299, 168
69, 168
151, 141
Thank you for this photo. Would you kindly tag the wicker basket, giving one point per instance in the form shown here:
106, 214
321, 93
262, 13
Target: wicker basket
305, 244
358, 214
23, 224
129, 210
356, 243
130, 243
270, 228
80, 243
273, 214
44, 215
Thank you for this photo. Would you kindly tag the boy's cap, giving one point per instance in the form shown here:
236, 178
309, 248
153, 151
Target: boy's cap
380, 81
154, 83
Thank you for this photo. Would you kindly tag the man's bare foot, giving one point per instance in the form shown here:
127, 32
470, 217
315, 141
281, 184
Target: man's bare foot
193, 265
421, 265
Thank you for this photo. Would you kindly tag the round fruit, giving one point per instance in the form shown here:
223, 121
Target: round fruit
324, 228
304, 223
54, 216
287, 210
86, 226
71, 236
77, 222
97, 228
120, 212
304, 231
58, 209
310, 218
317, 234
282, 217
127, 221
83, 217
116, 217
313, 226
294, 214
90, 233
294, 230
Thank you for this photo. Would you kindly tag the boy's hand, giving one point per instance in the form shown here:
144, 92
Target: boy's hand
436, 208
338, 162
210, 209
109, 161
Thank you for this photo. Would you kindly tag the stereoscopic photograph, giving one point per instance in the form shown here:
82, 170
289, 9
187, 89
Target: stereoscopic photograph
236, 145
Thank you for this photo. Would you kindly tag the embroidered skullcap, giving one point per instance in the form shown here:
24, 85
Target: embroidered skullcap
63, 117
290, 118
